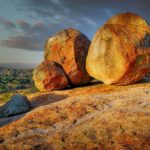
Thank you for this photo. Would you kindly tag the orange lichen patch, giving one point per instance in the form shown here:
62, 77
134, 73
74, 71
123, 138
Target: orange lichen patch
56, 47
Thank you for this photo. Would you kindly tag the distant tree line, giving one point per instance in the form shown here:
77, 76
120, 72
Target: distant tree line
11, 80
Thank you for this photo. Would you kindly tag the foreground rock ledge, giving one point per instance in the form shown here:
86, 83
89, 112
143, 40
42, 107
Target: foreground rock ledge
94, 117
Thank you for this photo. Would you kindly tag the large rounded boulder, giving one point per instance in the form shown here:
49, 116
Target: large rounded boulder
69, 48
120, 52
49, 76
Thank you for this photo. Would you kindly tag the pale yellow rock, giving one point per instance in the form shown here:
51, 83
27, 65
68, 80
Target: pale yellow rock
127, 18
120, 52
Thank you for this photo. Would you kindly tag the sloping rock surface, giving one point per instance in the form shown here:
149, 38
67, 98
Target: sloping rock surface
97, 116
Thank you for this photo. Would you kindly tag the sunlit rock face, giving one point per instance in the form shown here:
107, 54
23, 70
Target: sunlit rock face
69, 49
64, 61
95, 117
120, 51
127, 18
49, 76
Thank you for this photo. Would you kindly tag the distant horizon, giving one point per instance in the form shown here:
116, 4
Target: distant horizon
18, 65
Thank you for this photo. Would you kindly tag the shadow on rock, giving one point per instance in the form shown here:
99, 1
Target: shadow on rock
37, 101
47, 98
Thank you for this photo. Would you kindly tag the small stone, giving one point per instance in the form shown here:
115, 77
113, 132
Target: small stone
16, 105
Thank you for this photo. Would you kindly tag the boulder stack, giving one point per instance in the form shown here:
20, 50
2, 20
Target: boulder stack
64, 61
120, 50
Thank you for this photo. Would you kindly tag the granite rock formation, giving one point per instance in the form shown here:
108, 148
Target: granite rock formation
68, 49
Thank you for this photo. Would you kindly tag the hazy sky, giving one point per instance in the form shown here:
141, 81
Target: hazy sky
26, 24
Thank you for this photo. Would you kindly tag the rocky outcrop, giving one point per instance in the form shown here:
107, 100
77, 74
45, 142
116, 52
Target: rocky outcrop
16, 105
120, 50
98, 116
68, 48
49, 76
93, 117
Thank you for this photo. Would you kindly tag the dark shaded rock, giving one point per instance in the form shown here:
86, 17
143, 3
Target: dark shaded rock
17, 105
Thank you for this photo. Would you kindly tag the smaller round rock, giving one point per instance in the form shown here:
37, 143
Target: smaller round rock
49, 76
16, 105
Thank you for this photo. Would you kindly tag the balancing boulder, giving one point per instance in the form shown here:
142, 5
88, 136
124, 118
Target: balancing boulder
120, 53
49, 76
69, 49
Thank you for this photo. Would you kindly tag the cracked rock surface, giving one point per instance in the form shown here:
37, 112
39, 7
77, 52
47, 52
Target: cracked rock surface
69, 49
66, 51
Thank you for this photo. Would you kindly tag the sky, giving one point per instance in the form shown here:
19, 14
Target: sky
26, 24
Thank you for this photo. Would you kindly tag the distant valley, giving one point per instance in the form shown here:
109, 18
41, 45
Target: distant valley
17, 65
14, 81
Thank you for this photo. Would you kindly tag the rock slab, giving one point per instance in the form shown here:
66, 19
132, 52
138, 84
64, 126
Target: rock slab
94, 117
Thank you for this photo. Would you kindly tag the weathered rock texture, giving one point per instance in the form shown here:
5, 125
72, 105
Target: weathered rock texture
120, 51
127, 18
94, 117
49, 76
16, 105
69, 48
